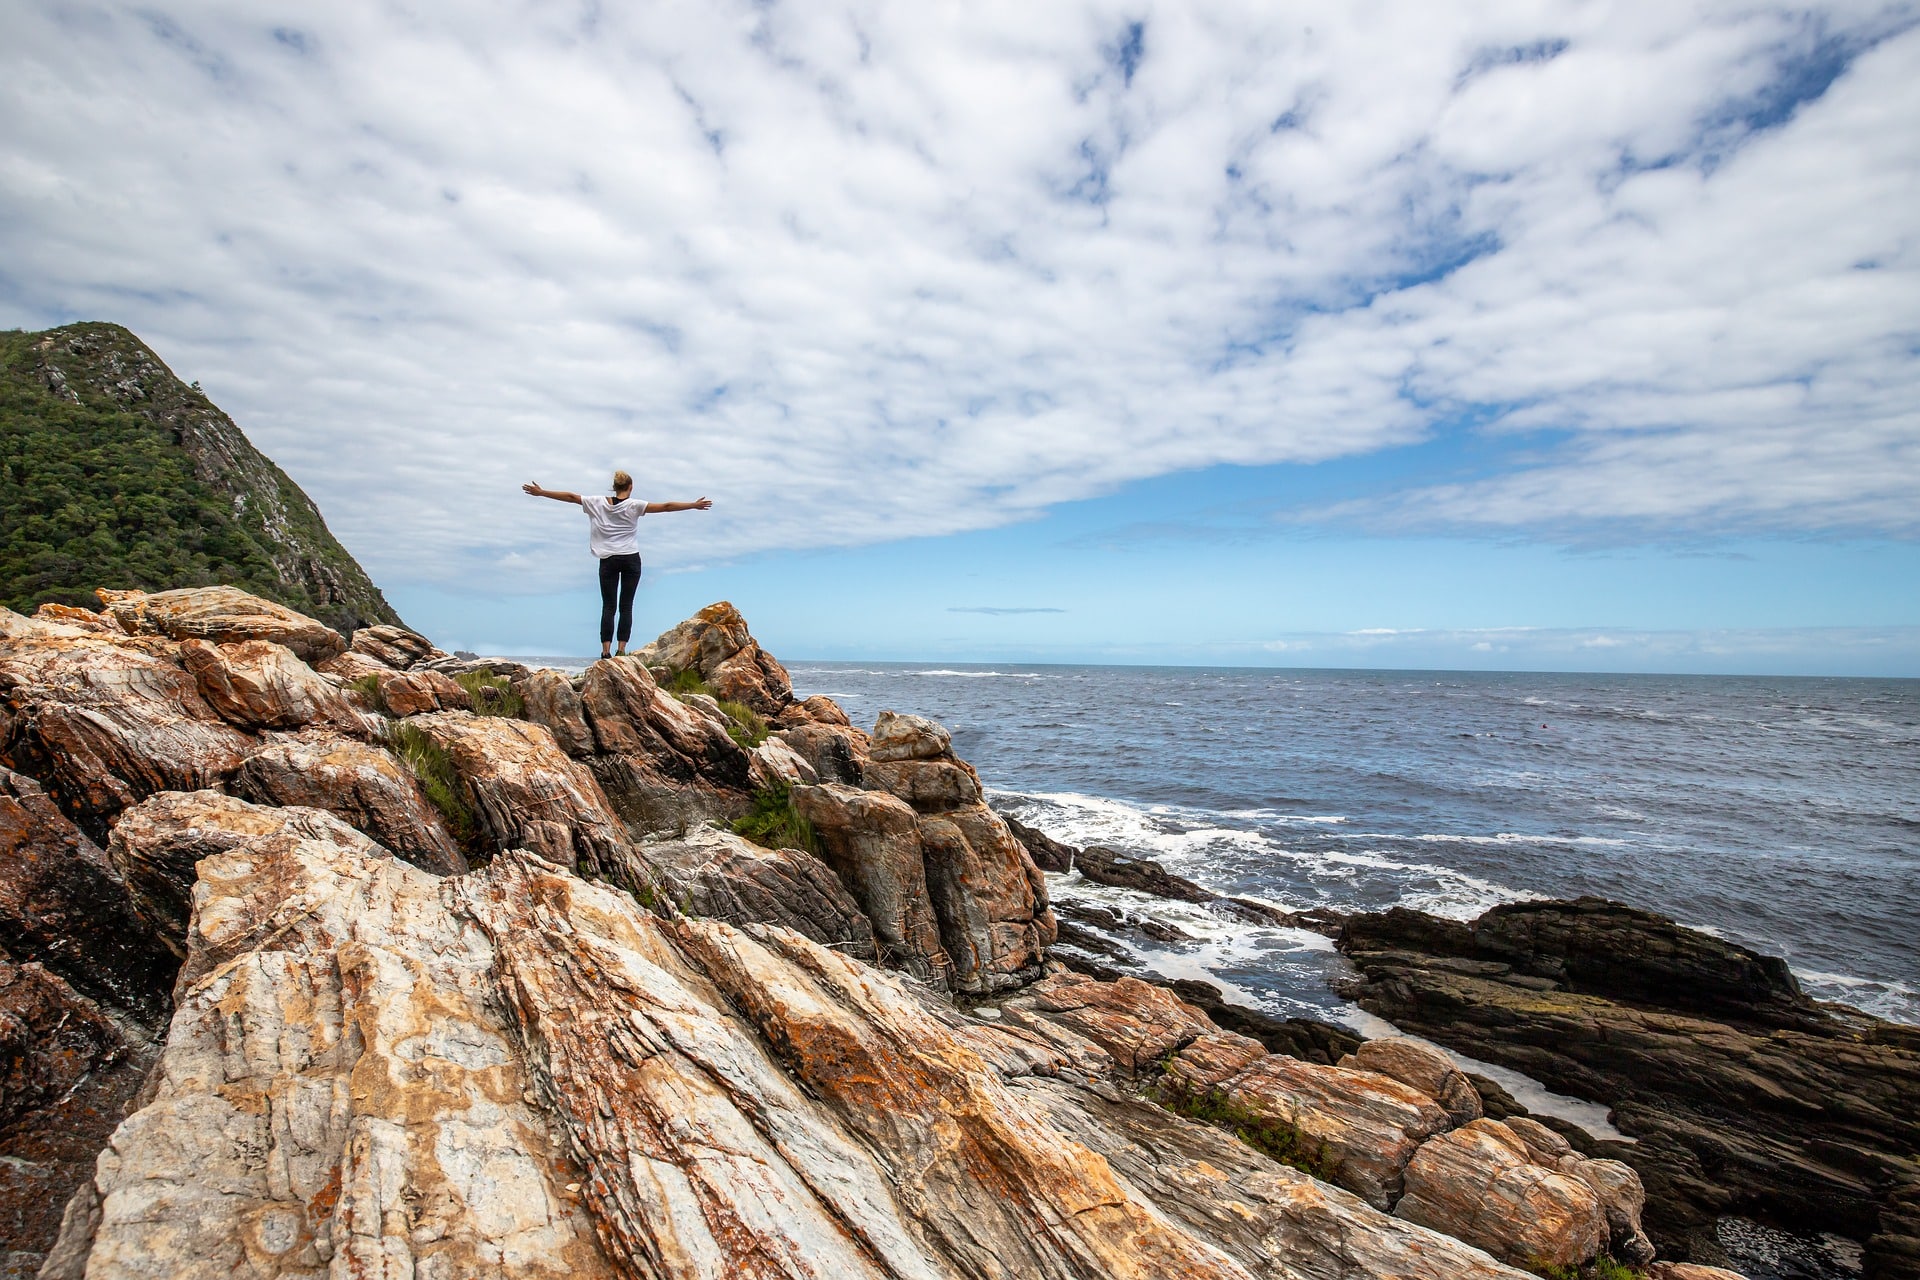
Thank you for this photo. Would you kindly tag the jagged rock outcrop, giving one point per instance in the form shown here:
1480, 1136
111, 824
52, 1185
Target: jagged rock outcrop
517, 1073
664, 764
224, 615
716, 874
102, 722
716, 644
158, 844
173, 485
361, 784
257, 684
526, 793
62, 905
394, 647
1744, 1096
692, 1068
416, 693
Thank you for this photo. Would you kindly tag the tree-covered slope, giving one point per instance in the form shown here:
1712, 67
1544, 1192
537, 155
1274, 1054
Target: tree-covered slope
113, 472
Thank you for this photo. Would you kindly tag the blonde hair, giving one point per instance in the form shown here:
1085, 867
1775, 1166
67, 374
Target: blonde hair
621, 480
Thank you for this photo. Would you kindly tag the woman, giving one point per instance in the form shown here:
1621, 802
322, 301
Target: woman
614, 535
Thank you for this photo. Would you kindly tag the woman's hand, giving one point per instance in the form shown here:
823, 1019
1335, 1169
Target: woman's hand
532, 488
703, 504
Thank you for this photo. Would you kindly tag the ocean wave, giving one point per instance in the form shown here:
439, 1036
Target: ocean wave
1887, 998
983, 675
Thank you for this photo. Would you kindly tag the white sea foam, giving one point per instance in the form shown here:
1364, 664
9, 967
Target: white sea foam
1883, 998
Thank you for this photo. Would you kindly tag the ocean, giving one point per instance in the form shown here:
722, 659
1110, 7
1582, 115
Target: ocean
1782, 813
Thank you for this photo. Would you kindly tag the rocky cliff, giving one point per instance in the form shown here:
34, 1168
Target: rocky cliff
114, 472
338, 955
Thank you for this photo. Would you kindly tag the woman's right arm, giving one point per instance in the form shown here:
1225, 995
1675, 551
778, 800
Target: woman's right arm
558, 495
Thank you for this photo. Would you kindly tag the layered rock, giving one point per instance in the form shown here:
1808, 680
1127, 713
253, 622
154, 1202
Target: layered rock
224, 615
1479, 1183
1744, 1097
357, 782
716, 874
157, 847
526, 793
257, 684
664, 764
393, 647
361, 1081
416, 693
716, 644
62, 905
103, 723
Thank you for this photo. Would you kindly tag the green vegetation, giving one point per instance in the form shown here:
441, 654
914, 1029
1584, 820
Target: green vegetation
490, 694
1606, 1268
774, 822
747, 728
682, 683
431, 764
1270, 1136
1554, 1271
369, 687
99, 487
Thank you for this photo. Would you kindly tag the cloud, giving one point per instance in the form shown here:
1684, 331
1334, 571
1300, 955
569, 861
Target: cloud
888, 270
997, 611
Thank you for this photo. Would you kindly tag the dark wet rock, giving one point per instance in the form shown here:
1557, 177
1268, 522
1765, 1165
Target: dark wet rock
1047, 853
64, 906
1143, 875
1304, 1038
1745, 1096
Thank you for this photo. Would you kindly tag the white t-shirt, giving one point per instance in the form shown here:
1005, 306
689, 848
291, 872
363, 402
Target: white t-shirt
615, 525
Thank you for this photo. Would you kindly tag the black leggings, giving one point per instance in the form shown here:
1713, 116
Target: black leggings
619, 578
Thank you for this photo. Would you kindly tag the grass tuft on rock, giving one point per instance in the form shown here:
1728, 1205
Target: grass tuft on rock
682, 683
368, 687
429, 762
773, 821
491, 695
1269, 1136
746, 727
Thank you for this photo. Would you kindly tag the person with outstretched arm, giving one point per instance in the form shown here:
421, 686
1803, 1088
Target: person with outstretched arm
614, 535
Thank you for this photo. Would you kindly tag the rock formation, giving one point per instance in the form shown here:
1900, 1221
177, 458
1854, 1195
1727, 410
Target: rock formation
575, 1029
1743, 1095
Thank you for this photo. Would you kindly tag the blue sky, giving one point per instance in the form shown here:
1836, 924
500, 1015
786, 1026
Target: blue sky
1530, 334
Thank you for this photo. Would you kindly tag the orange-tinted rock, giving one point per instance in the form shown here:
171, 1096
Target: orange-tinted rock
102, 724
715, 643
86, 619
665, 765
1476, 1183
257, 684
224, 615
1212, 1058
527, 793
550, 699
837, 753
818, 709
898, 737
157, 846
345, 668
393, 647
359, 783
1366, 1125
930, 786
414, 693
51, 1038
1137, 1023
1421, 1065
872, 842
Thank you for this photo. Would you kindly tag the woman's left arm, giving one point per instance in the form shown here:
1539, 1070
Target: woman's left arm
655, 508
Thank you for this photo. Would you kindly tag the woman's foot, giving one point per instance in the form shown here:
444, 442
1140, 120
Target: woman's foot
620, 652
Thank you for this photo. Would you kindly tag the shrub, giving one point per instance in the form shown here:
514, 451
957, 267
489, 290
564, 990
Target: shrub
368, 687
490, 694
430, 763
772, 821
1266, 1134
1606, 1267
746, 727
1554, 1271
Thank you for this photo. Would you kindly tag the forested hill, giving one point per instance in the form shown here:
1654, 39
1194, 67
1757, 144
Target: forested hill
114, 472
